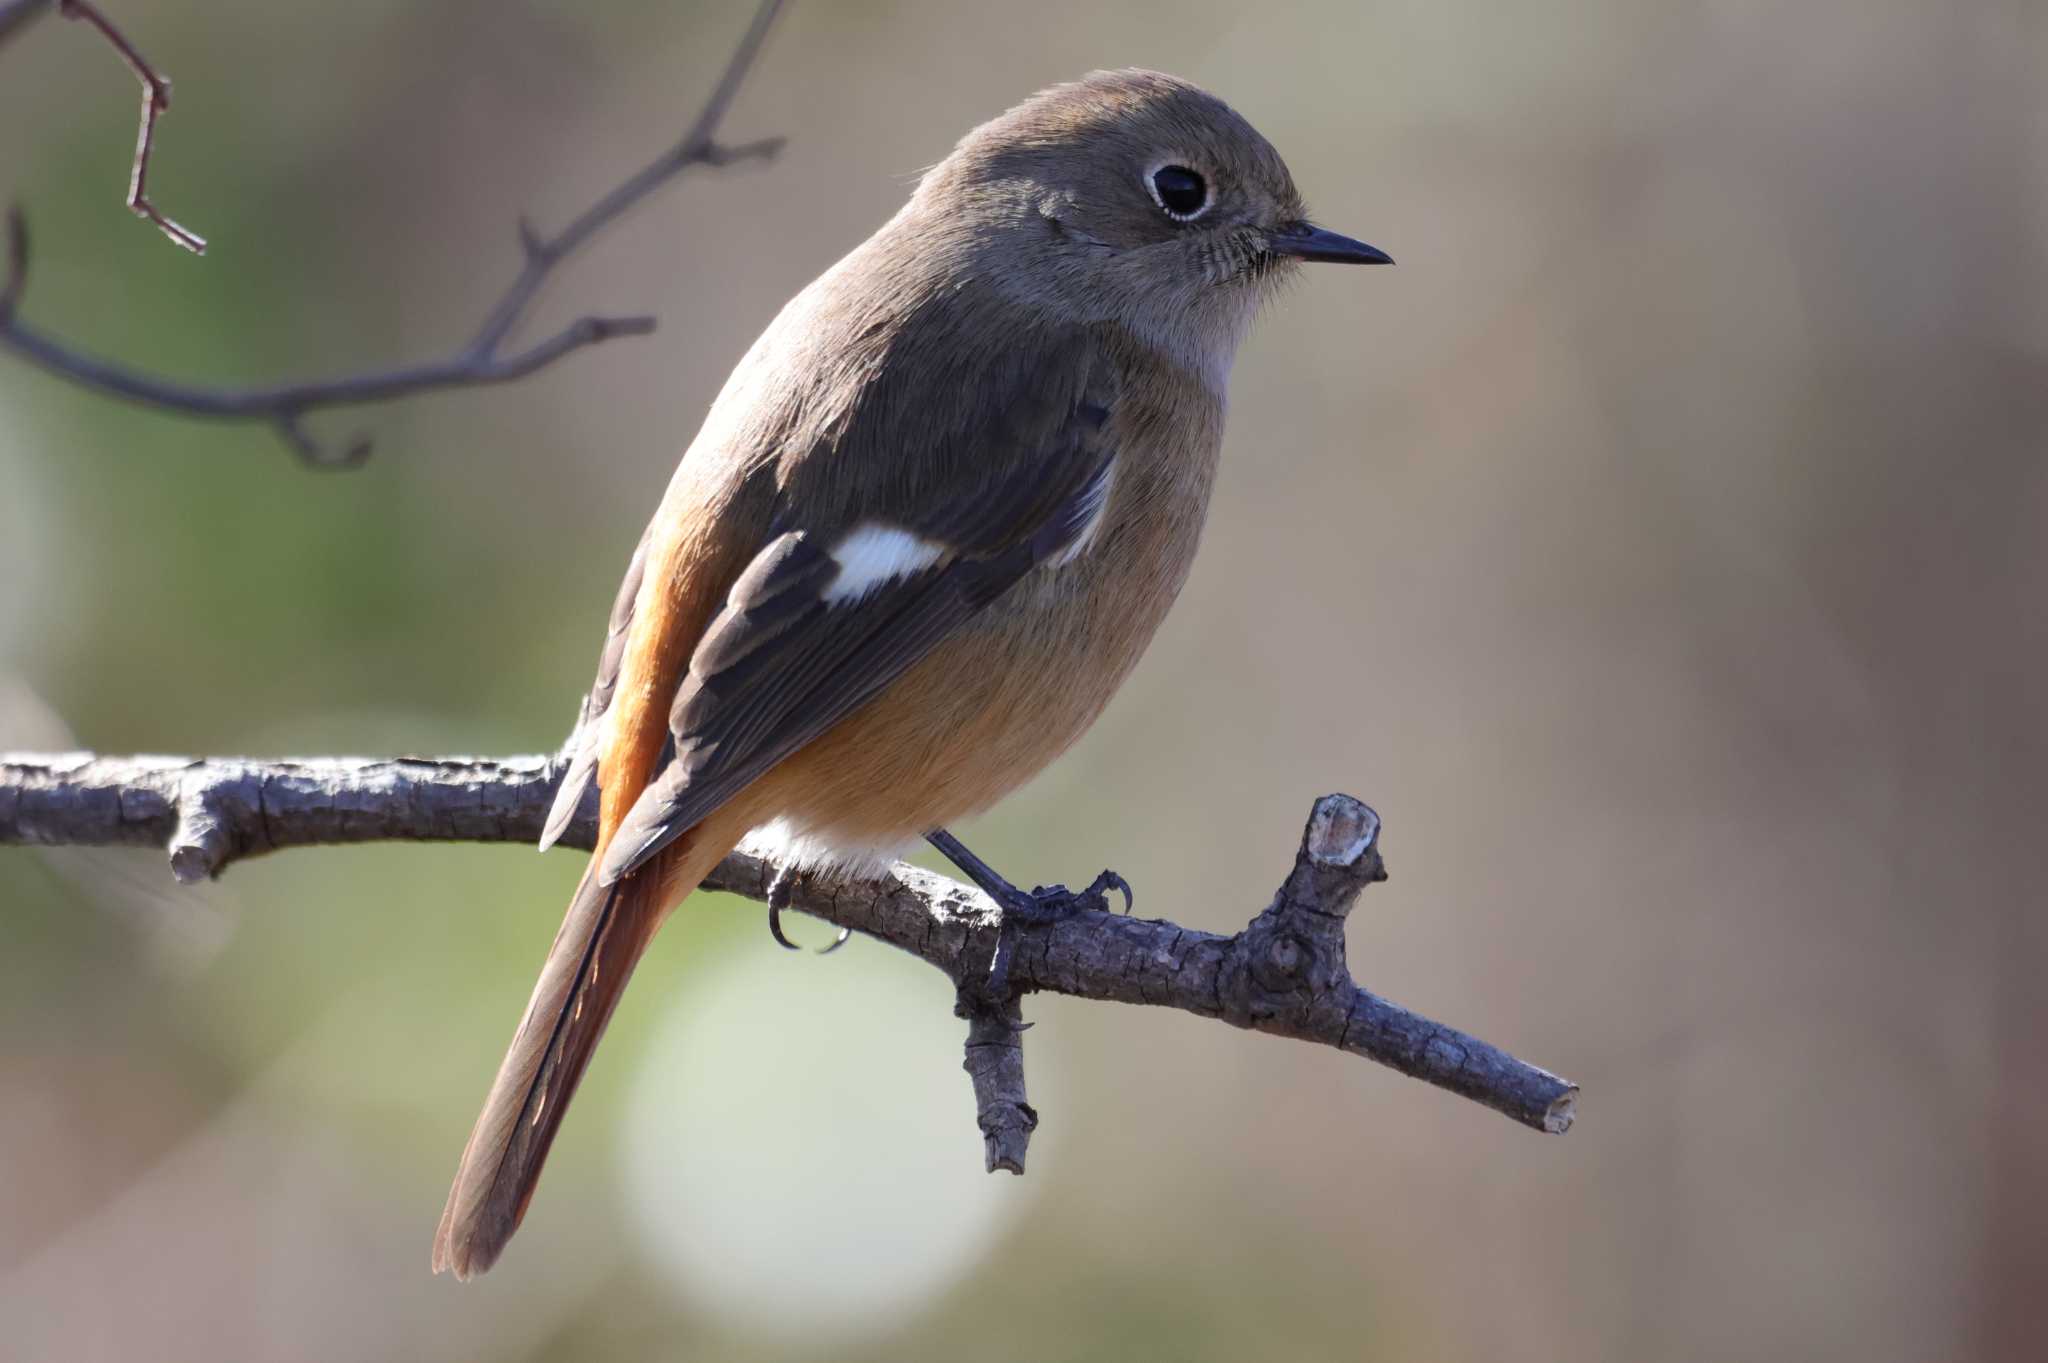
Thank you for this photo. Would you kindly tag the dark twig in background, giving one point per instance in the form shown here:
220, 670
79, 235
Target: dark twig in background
16, 278
481, 362
156, 102
1284, 974
17, 14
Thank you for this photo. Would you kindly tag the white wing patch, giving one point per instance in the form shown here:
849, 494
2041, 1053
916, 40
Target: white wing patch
873, 555
1097, 503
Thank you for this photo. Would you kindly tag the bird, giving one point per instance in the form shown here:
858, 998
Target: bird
924, 533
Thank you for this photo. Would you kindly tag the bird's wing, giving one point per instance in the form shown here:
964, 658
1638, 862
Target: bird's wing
824, 618
584, 741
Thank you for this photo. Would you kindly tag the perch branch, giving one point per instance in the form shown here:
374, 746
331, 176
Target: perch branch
481, 362
1284, 974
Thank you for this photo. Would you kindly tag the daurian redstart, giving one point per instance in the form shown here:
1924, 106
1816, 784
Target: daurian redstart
926, 530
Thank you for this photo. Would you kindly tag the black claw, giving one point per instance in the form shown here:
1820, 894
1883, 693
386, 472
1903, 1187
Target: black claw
1050, 903
1110, 880
775, 928
1095, 896
779, 891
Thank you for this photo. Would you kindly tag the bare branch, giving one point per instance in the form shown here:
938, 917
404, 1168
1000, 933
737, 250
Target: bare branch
481, 362
1284, 974
995, 1062
156, 102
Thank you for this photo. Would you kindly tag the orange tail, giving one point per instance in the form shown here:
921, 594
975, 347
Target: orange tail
602, 938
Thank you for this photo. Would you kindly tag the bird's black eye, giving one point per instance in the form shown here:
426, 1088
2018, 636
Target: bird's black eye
1181, 192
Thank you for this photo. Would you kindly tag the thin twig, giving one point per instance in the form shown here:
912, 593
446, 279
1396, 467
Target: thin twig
16, 282
156, 102
481, 362
284, 405
1284, 974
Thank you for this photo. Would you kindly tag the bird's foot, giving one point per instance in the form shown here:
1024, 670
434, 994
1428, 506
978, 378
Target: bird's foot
1050, 903
1026, 908
780, 891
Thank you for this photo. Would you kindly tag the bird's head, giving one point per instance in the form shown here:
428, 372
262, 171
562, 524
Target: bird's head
1131, 196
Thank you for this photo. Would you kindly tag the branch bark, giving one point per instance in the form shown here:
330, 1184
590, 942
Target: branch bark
1285, 974
483, 361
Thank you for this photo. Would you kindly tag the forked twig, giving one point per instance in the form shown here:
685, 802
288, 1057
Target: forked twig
481, 362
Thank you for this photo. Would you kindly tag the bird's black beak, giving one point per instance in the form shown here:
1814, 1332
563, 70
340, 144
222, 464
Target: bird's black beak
1306, 241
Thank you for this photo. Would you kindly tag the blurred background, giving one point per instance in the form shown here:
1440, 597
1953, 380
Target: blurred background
1660, 547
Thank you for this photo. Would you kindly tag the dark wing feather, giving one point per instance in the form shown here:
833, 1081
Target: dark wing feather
583, 741
780, 665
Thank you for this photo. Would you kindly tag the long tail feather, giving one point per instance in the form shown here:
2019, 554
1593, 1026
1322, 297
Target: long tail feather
603, 936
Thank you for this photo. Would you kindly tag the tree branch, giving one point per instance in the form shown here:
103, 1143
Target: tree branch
481, 362
1284, 974
156, 102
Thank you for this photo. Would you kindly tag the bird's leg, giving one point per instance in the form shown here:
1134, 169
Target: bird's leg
1045, 904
